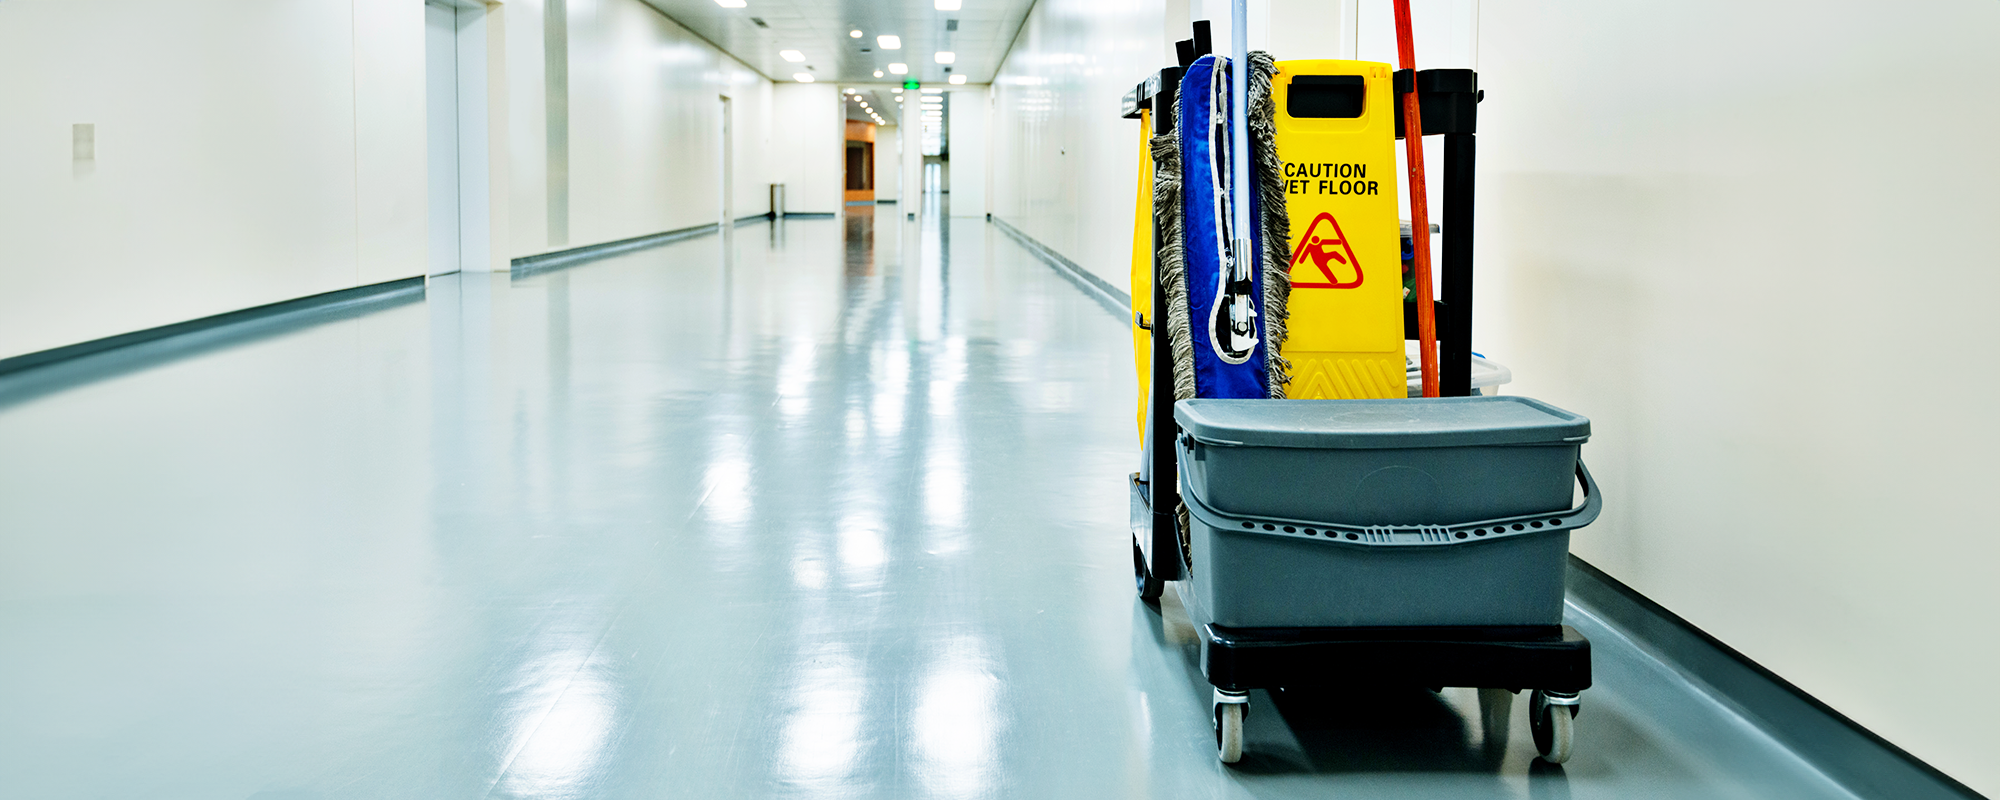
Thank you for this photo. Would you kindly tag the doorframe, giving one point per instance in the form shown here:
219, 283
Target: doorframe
435, 264
726, 134
482, 110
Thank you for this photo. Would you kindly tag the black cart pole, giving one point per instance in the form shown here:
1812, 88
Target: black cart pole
1166, 495
1166, 477
1455, 362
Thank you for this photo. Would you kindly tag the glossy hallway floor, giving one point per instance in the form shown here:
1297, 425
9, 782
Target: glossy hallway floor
839, 513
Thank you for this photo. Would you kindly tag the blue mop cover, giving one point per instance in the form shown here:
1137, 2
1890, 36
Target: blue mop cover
1205, 206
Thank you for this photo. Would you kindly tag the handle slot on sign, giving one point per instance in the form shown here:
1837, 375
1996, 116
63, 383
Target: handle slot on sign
1326, 97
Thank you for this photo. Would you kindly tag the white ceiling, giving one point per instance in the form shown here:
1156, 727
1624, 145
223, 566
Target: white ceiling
819, 29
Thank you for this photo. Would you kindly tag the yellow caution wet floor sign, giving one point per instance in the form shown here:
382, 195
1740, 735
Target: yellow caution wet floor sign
1336, 136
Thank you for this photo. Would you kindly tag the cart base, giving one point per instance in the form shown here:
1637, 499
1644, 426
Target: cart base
1552, 658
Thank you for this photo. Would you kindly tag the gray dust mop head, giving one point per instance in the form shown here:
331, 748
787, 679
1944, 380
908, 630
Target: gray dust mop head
1225, 321
1274, 220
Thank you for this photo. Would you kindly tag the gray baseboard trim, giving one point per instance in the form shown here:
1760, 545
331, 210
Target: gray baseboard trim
1111, 297
809, 215
30, 376
889, 202
526, 266
359, 297
753, 219
1839, 747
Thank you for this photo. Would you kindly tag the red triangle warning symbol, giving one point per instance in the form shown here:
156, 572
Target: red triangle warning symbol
1327, 247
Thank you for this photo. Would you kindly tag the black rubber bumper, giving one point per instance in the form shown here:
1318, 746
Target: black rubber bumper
1554, 658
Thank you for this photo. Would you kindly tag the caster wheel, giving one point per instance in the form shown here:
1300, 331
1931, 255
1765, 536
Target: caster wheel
1149, 587
1229, 732
1554, 726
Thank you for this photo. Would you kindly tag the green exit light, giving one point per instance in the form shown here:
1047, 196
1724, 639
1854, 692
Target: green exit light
910, 85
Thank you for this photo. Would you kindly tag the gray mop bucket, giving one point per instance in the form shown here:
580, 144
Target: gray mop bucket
1365, 513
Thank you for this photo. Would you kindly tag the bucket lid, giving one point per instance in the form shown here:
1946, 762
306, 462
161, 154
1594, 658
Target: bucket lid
1377, 424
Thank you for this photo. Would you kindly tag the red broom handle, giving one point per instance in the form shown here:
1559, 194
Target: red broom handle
1420, 219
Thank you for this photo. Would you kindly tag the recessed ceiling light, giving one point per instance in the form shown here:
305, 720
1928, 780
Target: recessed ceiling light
946, 56
899, 69
933, 90
949, 5
889, 41
958, 79
878, 73
793, 56
802, 77
729, 3
897, 90
854, 34
899, 99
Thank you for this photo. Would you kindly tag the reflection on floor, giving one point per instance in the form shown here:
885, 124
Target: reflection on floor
823, 508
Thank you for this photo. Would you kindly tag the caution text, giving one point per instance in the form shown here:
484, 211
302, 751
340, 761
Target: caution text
1328, 178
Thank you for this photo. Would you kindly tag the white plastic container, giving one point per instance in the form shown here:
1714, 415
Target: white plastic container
1487, 375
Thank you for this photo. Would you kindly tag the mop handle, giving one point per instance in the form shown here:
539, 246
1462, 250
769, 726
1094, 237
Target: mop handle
1239, 140
1420, 220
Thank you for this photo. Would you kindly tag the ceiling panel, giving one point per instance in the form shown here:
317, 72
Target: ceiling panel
819, 29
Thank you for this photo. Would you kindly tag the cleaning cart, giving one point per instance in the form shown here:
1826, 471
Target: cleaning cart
1366, 538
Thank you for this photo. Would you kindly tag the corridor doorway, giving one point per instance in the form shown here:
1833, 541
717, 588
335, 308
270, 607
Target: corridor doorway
859, 163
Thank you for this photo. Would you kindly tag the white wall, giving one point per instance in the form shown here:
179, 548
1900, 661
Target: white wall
912, 169
644, 126
888, 162
645, 150
1304, 28
808, 141
246, 153
1747, 239
968, 147
1065, 167
249, 153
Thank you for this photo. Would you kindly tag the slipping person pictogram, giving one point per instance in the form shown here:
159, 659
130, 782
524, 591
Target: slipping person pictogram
1325, 246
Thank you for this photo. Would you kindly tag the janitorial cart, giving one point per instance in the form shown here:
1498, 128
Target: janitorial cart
1321, 527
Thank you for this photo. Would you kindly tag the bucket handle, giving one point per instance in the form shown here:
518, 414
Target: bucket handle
1413, 535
